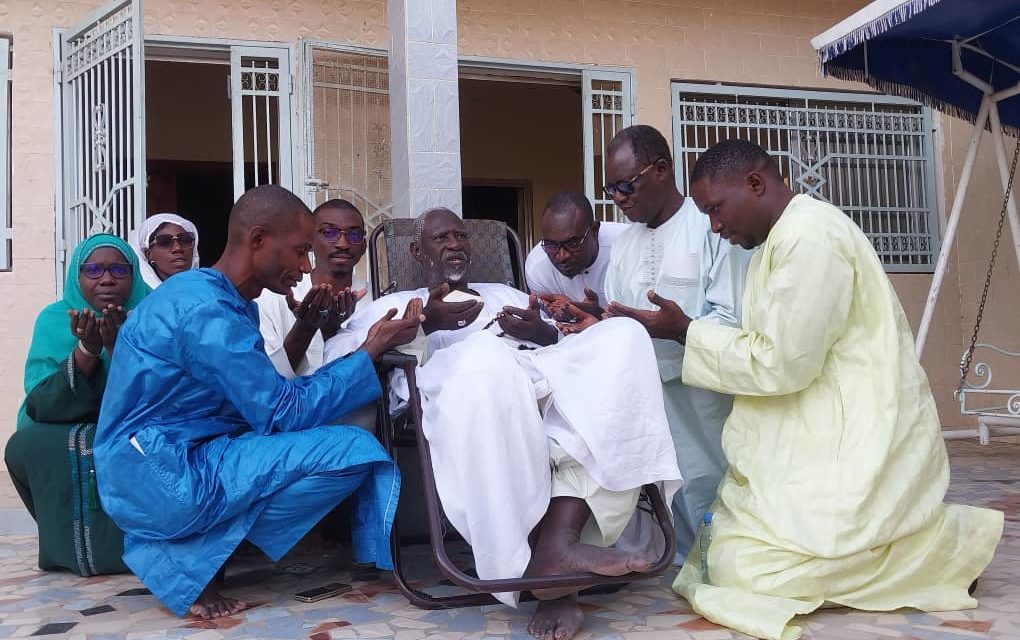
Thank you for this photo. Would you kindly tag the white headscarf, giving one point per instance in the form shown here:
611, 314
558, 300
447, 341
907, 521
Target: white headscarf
140, 242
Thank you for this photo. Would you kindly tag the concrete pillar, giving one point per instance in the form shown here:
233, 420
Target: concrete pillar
424, 112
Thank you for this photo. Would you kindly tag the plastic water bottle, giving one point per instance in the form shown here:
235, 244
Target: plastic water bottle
705, 539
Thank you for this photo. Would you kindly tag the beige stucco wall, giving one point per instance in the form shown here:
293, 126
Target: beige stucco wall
750, 41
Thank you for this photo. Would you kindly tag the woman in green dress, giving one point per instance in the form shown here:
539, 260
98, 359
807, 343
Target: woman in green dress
50, 455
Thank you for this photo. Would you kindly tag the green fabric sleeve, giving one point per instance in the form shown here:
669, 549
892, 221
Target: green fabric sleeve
67, 395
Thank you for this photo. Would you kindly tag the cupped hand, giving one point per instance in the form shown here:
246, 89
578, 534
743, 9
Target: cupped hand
669, 322
85, 327
448, 316
527, 324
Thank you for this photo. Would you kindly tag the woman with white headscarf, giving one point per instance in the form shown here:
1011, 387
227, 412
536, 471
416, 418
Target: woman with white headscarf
165, 244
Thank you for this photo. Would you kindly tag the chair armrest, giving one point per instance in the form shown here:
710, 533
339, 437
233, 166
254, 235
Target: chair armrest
396, 359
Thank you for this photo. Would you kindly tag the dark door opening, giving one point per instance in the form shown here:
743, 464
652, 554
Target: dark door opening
507, 201
519, 132
189, 150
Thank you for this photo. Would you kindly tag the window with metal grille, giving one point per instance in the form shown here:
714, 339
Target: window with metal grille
347, 108
5, 154
870, 155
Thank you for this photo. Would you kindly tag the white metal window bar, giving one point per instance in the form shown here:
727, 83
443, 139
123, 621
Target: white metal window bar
606, 107
260, 91
103, 127
870, 155
5, 155
347, 132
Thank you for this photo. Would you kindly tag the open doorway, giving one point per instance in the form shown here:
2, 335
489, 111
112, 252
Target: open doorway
218, 123
189, 155
521, 143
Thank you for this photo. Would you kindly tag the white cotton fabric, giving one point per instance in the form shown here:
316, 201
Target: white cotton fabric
140, 242
490, 411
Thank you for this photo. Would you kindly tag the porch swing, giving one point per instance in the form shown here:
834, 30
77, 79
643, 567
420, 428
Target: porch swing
997, 409
902, 47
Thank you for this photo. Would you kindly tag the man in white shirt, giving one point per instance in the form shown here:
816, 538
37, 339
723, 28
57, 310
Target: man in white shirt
295, 326
572, 258
670, 250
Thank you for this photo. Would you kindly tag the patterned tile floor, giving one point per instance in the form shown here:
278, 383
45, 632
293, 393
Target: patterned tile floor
33, 603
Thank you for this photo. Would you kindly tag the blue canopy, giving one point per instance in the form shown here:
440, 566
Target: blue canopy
905, 48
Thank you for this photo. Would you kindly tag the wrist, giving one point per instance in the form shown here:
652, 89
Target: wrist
548, 334
304, 327
89, 352
372, 348
681, 335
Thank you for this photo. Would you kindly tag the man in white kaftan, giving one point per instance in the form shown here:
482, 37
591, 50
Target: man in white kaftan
670, 249
572, 258
837, 466
294, 327
512, 430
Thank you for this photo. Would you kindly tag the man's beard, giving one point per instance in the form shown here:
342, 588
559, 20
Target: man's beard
455, 275
449, 274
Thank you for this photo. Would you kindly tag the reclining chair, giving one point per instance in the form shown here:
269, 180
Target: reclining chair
492, 261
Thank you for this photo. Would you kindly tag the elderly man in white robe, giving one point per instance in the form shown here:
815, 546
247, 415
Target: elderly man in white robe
670, 249
559, 435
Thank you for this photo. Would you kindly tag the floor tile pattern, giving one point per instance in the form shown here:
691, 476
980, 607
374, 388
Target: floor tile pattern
53, 605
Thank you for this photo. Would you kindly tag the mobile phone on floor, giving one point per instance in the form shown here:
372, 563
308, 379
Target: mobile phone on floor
321, 593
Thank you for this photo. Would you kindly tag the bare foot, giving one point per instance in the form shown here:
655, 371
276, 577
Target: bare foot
556, 619
212, 604
581, 558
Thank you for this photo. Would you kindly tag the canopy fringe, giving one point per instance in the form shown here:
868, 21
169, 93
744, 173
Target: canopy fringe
890, 19
913, 93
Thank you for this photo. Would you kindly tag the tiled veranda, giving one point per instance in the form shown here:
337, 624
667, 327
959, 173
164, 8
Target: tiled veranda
35, 603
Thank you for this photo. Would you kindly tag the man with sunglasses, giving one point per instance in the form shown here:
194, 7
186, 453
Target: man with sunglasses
670, 257
295, 325
572, 258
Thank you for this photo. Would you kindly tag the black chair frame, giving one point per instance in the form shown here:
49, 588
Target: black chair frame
405, 430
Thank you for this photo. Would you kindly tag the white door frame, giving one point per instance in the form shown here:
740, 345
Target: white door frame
108, 151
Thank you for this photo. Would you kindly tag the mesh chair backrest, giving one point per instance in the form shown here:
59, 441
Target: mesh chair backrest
490, 255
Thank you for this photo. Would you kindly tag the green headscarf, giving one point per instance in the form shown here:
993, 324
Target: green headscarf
52, 341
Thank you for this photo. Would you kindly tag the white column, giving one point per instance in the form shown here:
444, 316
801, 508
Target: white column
424, 110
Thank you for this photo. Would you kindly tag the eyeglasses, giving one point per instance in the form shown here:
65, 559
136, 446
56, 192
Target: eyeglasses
626, 187
332, 234
166, 241
95, 270
570, 244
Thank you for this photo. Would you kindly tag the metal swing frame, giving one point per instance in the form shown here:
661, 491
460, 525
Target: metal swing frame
997, 419
1003, 421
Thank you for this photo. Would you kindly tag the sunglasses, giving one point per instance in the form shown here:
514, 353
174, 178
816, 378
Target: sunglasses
166, 241
626, 187
332, 234
95, 270
570, 244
